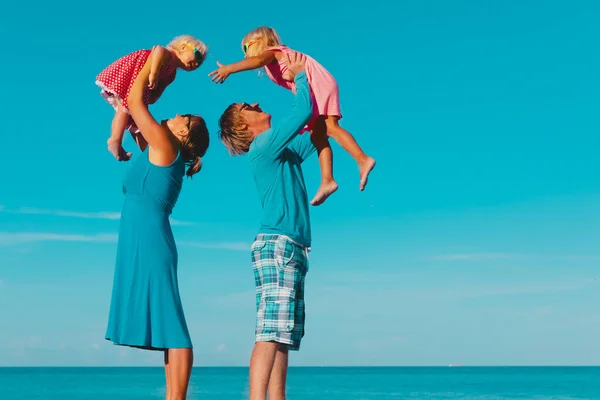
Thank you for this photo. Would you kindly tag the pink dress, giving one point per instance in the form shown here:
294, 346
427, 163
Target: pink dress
325, 91
116, 81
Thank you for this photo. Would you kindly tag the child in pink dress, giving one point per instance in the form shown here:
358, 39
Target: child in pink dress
262, 48
184, 52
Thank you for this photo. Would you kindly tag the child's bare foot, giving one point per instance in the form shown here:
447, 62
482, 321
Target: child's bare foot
117, 150
365, 167
325, 190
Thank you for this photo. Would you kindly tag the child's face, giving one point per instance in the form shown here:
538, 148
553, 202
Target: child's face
190, 57
250, 48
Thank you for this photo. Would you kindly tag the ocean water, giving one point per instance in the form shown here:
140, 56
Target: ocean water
349, 383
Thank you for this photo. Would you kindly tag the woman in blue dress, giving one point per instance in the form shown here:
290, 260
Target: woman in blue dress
145, 309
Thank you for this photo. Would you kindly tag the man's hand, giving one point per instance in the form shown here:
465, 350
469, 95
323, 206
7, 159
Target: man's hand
295, 63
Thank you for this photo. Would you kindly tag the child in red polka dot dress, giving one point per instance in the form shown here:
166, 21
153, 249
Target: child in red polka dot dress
184, 52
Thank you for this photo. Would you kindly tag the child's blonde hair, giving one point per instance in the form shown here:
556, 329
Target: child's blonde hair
259, 40
188, 40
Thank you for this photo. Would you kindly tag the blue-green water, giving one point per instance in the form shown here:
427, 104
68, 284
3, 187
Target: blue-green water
350, 383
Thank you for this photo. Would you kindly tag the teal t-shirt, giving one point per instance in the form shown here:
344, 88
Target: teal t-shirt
275, 157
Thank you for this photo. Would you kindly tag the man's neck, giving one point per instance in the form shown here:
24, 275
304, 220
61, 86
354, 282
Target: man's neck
257, 131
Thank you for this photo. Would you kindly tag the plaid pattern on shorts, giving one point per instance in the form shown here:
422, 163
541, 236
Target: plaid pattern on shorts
280, 267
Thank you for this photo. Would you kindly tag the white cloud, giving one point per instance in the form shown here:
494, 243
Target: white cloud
475, 256
234, 246
176, 222
232, 301
13, 238
106, 215
124, 351
507, 256
29, 342
19, 238
525, 289
63, 213
95, 346
221, 347
408, 293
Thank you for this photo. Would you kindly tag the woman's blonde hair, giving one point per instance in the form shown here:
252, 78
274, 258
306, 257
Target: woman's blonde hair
195, 144
188, 40
259, 40
233, 131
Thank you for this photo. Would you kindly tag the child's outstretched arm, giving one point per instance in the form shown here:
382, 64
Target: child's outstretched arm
219, 75
157, 58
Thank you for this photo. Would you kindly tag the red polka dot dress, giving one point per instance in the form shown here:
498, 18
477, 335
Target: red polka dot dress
116, 80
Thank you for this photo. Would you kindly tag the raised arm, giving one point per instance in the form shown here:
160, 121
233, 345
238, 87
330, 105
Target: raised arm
273, 142
303, 146
219, 75
158, 137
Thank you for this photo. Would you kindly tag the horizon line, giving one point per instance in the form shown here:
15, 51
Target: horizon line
314, 366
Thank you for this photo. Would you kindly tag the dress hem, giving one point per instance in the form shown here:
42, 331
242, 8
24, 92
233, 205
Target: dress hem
111, 97
143, 347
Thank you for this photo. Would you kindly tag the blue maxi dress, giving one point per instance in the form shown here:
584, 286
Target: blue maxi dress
145, 308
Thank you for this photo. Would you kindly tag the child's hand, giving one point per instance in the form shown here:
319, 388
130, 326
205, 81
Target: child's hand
152, 81
219, 75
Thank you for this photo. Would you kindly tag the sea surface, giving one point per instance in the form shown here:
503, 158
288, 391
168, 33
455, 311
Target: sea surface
323, 383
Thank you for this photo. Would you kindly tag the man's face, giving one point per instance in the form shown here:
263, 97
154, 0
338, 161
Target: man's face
257, 120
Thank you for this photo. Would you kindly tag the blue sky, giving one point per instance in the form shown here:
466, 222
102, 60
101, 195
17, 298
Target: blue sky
475, 243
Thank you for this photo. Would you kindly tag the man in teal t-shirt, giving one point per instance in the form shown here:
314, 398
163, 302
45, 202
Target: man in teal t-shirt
280, 251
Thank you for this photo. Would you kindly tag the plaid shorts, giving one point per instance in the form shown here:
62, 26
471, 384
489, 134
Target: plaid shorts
280, 266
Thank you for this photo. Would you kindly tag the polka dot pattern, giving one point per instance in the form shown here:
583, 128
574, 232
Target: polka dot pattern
117, 79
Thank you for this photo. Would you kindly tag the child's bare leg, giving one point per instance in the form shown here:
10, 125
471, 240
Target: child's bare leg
328, 184
115, 142
348, 143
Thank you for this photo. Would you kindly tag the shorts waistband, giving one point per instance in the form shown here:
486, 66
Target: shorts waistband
272, 236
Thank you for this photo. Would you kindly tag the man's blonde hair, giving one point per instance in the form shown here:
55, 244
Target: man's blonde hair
188, 40
263, 38
234, 131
